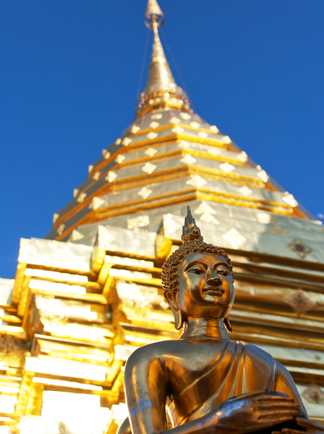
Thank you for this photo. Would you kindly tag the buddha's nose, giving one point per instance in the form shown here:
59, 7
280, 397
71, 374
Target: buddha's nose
213, 280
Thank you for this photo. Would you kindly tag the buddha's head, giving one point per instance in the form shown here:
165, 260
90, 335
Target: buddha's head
197, 278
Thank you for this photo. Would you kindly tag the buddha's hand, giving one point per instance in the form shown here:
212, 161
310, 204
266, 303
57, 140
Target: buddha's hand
250, 413
306, 426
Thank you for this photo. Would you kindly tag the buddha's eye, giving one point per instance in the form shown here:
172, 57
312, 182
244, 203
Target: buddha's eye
196, 270
222, 270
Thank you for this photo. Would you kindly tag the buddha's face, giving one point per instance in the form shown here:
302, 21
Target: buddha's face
206, 288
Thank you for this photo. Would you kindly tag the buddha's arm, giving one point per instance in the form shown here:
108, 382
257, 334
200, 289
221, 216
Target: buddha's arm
145, 387
285, 384
146, 393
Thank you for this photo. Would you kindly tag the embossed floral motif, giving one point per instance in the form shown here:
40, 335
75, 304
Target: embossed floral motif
196, 181
151, 152
300, 248
188, 159
149, 168
300, 301
314, 394
10, 344
144, 192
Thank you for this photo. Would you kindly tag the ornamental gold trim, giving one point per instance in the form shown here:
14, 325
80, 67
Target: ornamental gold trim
169, 126
160, 141
162, 175
180, 197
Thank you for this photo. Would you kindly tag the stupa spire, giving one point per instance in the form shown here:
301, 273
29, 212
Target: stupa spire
153, 13
161, 90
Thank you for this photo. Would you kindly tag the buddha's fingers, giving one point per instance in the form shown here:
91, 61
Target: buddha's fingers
277, 399
277, 417
265, 412
277, 402
277, 406
273, 396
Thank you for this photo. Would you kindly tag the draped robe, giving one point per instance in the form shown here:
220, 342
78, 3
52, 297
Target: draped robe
200, 375
238, 370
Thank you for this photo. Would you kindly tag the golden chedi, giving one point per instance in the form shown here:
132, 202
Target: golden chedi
85, 298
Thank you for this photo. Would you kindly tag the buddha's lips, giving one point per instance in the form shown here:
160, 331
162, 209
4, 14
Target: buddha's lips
213, 291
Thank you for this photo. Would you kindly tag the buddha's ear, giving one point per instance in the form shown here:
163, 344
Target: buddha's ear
178, 319
173, 303
228, 324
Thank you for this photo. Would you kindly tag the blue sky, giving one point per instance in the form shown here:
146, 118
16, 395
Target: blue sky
71, 72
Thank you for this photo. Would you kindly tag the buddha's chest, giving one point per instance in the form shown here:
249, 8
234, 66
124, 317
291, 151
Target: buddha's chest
198, 371
203, 379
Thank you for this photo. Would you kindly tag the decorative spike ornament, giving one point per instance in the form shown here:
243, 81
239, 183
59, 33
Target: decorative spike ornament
160, 75
153, 14
161, 91
190, 230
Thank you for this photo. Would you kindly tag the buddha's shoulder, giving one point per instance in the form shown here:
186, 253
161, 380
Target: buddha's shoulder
156, 350
257, 354
163, 350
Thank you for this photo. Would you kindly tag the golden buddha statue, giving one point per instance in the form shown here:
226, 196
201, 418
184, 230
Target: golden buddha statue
204, 382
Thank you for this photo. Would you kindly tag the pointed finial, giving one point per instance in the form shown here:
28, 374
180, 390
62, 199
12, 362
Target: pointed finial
190, 230
153, 14
161, 90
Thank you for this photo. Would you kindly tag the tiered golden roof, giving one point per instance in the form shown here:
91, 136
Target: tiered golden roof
168, 156
79, 305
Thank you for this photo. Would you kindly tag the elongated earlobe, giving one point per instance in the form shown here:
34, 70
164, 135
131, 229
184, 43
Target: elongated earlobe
228, 324
178, 319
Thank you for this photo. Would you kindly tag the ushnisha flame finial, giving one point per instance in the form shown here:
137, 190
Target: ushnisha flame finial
190, 230
161, 91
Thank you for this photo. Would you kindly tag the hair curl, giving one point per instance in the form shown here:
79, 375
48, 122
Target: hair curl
170, 266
